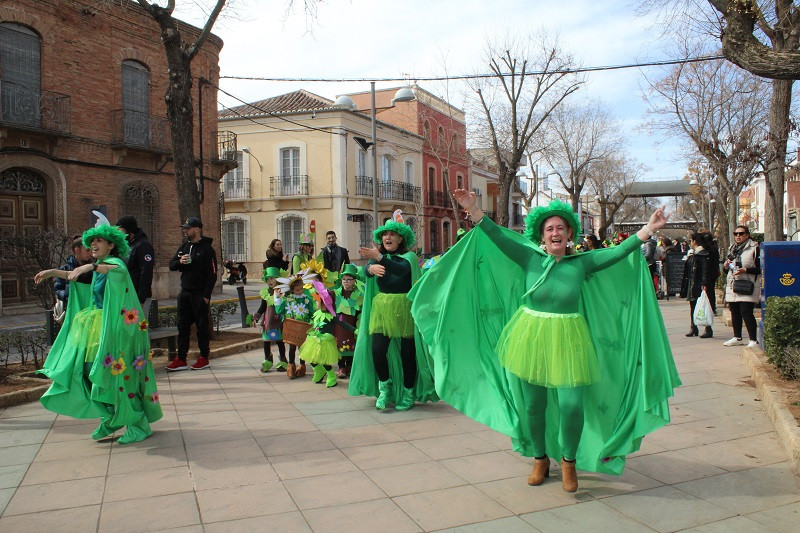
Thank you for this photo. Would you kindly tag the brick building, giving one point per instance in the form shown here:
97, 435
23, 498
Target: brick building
445, 161
83, 125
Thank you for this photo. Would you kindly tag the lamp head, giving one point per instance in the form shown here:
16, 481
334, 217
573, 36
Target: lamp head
363, 143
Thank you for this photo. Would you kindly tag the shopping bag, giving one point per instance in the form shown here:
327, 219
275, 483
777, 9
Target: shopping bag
703, 312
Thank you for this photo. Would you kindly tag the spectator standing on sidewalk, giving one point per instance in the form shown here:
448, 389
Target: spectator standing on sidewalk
305, 253
333, 256
275, 256
197, 262
81, 255
141, 261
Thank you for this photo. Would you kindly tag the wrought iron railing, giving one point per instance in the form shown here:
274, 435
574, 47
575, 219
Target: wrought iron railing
397, 190
30, 107
237, 188
363, 186
438, 198
136, 129
225, 145
289, 185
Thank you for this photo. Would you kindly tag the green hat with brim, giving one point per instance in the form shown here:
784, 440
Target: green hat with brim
271, 272
110, 233
398, 227
350, 270
535, 219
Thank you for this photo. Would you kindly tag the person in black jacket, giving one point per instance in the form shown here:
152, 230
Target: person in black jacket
275, 256
141, 260
697, 278
333, 255
197, 262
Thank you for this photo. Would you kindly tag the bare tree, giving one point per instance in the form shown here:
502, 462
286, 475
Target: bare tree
575, 136
609, 178
529, 80
721, 110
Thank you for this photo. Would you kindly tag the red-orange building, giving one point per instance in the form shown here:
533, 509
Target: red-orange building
83, 125
445, 160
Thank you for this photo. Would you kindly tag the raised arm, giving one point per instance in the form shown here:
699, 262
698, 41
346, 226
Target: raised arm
514, 250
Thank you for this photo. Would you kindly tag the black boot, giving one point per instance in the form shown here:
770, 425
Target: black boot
692, 332
708, 333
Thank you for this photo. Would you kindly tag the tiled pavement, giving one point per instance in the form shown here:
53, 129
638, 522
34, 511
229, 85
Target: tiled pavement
243, 451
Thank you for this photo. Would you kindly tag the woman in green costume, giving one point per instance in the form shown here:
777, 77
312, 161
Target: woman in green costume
388, 350
566, 353
100, 363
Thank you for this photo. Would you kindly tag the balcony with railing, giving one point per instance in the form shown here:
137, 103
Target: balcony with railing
397, 190
30, 108
288, 185
236, 188
225, 146
438, 198
143, 131
363, 186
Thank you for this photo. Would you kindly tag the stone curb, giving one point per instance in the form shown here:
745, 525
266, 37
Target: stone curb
775, 405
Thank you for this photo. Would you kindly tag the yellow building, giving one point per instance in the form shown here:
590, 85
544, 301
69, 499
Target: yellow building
299, 163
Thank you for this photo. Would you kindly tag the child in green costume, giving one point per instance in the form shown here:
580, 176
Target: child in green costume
293, 301
100, 363
348, 302
270, 321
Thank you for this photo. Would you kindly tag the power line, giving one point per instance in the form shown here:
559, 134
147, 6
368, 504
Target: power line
576, 70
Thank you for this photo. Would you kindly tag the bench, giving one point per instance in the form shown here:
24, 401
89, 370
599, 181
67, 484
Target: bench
171, 336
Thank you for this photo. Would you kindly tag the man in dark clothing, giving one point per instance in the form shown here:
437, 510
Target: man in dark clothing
333, 255
80, 256
197, 262
141, 260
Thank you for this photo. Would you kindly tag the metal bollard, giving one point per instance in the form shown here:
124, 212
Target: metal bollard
49, 327
242, 306
152, 317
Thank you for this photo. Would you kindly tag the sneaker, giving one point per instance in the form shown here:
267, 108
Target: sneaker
177, 364
733, 342
201, 363
753, 344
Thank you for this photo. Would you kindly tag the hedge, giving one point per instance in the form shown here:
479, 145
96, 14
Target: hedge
782, 334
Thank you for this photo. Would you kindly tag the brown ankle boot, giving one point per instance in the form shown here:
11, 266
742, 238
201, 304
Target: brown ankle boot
541, 470
291, 371
569, 478
301, 370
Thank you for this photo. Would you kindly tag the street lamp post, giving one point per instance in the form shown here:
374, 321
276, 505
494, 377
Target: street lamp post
260, 167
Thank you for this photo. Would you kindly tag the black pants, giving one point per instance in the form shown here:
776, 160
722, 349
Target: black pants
268, 350
192, 309
408, 356
743, 311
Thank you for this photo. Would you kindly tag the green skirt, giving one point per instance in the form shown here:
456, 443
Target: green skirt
320, 350
391, 316
86, 330
548, 349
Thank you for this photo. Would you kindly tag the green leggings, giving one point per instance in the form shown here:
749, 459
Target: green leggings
570, 406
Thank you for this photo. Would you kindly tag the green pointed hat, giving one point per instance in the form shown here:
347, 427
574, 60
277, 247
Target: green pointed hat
535, 219
350, 270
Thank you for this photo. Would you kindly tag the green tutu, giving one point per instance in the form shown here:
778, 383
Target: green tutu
391, 316
320, 350
548, 349
86, 331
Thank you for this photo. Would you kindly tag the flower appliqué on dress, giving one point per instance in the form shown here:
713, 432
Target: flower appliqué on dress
272, 334
118, 367
131, 316
143, 325
131, 395
155, 397
108, 361
139, 363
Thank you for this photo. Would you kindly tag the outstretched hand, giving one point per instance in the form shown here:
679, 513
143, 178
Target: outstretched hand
465, 198
657, 220
370, 253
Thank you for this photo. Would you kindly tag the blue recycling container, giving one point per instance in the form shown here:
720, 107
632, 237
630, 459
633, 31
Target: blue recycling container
780, 274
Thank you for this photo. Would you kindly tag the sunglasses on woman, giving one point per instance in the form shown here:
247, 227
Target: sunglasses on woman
737, 233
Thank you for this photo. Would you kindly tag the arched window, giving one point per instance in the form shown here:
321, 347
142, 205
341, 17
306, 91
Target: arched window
236, 235
460, 181
409, 171
440, 135
426, 131
386, 168
434, 236
140, 199
135, 104
446, 234
289, 229
20, 75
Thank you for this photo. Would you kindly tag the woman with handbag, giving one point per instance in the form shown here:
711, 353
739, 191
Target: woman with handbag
742, 290
697, 278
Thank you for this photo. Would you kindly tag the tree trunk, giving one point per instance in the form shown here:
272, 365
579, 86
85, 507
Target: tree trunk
779, 126
506, 181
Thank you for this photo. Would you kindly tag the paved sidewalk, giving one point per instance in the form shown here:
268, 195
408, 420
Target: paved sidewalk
243, 451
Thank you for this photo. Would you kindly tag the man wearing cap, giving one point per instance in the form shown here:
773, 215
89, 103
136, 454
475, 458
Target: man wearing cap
197, 262
141, 260
304, 255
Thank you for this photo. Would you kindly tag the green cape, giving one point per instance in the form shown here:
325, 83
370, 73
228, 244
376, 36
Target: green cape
461, 306
363, 379
123, 397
